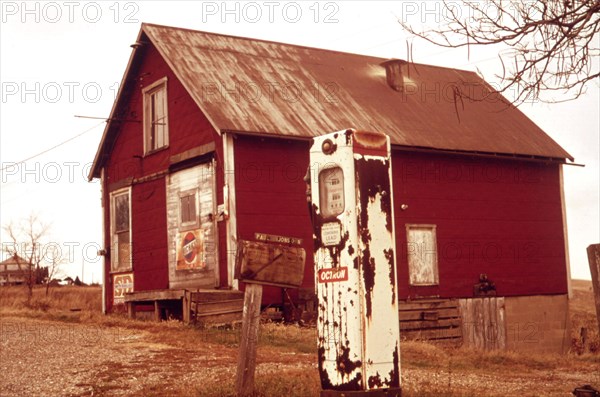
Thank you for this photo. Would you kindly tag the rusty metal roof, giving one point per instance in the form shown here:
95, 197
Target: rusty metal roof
264, 87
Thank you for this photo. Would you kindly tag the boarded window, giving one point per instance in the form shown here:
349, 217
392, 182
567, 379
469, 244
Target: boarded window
422, 254
331, 192
188, 213
121, 231
156, 127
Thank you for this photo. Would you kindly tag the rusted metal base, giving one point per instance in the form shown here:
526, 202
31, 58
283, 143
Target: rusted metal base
392, 392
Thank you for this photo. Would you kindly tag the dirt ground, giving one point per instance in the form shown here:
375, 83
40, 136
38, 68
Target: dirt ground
50, 350
51, 358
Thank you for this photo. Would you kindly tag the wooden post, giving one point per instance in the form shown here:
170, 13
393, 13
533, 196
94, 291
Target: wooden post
247, 354
593, 252
131, 309
156, 311
186, 306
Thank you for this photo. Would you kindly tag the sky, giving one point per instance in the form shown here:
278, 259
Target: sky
63, 60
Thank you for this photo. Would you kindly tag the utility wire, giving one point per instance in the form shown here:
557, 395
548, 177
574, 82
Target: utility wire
53, 147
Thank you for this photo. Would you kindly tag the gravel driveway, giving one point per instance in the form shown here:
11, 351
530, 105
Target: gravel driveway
43, 358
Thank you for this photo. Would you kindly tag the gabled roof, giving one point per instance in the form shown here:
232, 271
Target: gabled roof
263, 87
15, 260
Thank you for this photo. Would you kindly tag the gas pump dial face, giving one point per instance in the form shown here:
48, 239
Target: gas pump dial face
331, 192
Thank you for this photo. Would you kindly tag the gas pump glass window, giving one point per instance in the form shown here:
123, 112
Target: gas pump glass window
331, 192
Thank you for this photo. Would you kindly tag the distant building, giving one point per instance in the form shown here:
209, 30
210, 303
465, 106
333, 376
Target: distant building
15, 271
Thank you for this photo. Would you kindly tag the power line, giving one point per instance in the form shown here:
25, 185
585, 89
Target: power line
53, 147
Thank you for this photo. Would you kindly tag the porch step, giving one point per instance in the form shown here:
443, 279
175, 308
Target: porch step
209, 308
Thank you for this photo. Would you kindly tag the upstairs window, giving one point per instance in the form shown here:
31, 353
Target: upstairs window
156, 116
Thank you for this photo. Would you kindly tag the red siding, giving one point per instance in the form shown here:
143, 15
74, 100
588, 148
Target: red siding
149, 225
188, 128
493, 216
271, 194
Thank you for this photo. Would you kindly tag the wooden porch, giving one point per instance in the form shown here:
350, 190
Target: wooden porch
205, 307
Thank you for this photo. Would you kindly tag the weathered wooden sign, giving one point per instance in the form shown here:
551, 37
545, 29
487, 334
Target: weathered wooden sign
122, 284
270, 263
271, 238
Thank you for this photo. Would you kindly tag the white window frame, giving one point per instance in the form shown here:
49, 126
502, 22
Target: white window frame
421, 253
147, 92
114, 254
195, 224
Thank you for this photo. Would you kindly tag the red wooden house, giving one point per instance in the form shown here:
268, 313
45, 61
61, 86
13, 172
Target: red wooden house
208, 140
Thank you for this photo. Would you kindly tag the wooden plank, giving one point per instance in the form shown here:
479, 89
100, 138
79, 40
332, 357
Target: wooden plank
218, 313
250, 328
478, 327
196, 151
219, 307
432, 334
413, 325
271, 263
130, 309
145, 296
593, 252
230, 203
186, 308
216, 320
466, 313
156, 311
418, 314
483, 323
487, 333
500, 320
215, 295
427, 305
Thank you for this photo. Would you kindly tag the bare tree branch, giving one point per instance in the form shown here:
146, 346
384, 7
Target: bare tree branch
555, 43
27, 250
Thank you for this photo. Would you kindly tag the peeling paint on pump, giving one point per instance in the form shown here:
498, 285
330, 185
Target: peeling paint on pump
358, 327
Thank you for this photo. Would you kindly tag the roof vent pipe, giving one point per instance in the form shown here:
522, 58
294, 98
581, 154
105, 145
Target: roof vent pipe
393, 73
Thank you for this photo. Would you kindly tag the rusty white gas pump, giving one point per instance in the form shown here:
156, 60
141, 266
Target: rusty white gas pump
353, 221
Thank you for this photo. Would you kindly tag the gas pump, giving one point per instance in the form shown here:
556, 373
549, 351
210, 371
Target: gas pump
353, 222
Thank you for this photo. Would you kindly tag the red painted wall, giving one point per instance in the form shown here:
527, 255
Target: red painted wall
270, 195
493, 216
188, 128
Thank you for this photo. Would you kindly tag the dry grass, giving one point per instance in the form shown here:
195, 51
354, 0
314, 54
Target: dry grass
585, 337
287, 354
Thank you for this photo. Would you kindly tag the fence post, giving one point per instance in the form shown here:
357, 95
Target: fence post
250, 326
593, 252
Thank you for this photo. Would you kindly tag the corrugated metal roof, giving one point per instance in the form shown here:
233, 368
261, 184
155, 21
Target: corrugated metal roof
272, 88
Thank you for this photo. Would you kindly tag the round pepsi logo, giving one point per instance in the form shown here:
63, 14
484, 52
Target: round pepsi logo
189, 247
